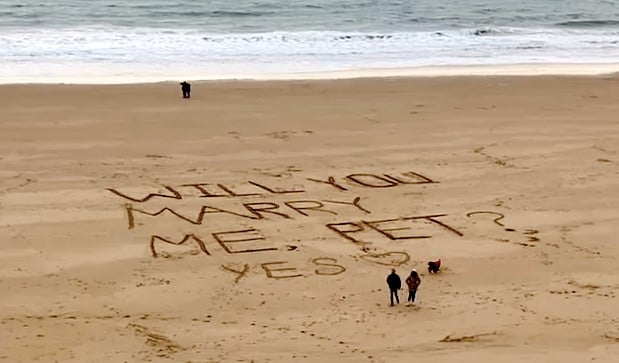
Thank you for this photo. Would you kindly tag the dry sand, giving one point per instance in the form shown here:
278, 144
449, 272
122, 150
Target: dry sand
79, 281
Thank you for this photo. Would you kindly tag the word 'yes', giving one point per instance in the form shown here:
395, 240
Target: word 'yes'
323, 266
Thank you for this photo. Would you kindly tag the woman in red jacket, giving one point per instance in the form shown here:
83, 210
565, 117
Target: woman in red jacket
413, 282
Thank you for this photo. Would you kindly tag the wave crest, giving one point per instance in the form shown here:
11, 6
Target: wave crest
588, 23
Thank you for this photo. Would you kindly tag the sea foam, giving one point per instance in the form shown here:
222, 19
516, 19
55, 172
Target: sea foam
161, 54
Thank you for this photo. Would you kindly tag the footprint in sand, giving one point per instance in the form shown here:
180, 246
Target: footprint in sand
281, 135
156, 156
234, 134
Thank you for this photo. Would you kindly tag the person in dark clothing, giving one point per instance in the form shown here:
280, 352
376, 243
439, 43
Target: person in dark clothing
413, 282
394, 282
186, 88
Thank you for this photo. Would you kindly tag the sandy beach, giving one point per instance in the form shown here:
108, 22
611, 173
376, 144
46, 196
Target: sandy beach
293, 200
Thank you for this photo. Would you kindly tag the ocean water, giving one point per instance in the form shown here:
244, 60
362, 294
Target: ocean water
132, 40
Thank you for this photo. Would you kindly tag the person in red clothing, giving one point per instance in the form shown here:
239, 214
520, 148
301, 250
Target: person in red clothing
413, 282
434, 266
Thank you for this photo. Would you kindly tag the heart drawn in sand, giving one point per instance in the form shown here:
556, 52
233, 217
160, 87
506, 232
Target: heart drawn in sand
393, 258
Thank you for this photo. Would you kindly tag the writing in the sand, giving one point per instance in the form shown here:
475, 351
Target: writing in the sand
251, 239
252, 188
251, 211
319, 266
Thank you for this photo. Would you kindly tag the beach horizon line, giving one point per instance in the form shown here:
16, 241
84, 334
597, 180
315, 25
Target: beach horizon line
517, 69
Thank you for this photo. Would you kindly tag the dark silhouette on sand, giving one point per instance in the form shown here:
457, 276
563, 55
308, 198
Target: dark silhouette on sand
434, 266
186, 88
394, 282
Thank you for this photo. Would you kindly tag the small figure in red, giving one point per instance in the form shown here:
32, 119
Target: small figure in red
434, 266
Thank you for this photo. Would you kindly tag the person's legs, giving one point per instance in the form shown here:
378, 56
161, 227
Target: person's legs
411, 295
394, 293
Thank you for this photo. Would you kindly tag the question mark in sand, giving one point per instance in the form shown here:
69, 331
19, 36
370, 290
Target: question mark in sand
496, 220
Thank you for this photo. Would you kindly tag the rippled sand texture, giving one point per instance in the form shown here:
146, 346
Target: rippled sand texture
293, 200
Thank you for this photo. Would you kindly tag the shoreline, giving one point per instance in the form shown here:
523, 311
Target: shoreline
520, 70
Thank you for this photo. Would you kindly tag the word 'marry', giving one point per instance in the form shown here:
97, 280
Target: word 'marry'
252, 188
256, 210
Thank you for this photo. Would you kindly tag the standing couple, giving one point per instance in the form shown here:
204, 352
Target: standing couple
413, 281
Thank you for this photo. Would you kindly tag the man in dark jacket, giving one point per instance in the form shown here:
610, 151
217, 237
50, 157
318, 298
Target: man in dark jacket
186, 88
394, 282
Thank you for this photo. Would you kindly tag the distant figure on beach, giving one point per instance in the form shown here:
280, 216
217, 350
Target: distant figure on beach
413, 282
434, 266
186, 88
394, 282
